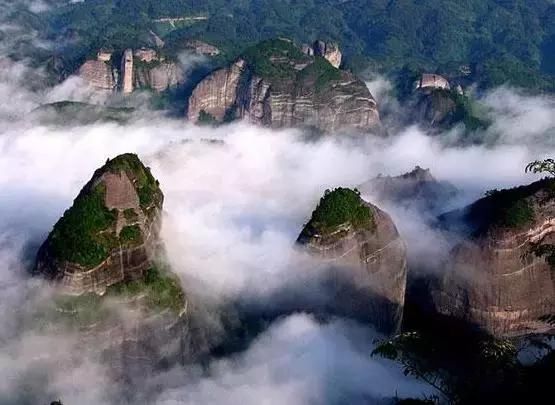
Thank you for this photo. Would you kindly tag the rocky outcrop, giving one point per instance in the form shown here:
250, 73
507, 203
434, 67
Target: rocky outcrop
274, 84
497, 278
329, 51
110, 234
127, 71
158, 75
361, 245
99, 75
143, 68
201, 47
431, 81
417, 190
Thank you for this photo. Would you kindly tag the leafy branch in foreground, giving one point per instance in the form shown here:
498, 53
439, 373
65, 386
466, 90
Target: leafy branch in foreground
457, 369
544, 250
542, 166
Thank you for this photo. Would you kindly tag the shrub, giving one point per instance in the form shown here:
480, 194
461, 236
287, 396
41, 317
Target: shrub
340, 206
76, 238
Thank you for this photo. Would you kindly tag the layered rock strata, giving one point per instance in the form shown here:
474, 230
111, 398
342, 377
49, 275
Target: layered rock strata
275, 85
366, 256
111, 232
497, 278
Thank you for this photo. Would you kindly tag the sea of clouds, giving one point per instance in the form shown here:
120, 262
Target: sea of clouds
236, 198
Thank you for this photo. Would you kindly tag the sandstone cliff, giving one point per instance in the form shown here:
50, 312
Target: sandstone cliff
111, 232
153, 71
274, 84
201, 47
366, 254
497, 278
99, 75
329, 51
111, 290
143, 68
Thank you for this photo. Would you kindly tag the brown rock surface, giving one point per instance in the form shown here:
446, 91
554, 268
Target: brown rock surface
98, 74
494, 279
119, 244
369, 266
276, 85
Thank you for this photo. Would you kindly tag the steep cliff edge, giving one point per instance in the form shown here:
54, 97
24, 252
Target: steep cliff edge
111, 232
143, 68
362, 246
110, 287
498, 277
275, 84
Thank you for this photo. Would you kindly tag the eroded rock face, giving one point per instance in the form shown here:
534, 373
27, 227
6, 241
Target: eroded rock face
99, 75
158, 76
431, 81
329, 51
201, 47
110, 234
143, 68
495, 278
276, 85
368, 260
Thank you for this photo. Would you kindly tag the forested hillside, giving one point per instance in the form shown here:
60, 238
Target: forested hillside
502, 40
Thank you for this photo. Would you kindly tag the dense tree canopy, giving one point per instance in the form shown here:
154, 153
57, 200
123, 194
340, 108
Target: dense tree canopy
503, 40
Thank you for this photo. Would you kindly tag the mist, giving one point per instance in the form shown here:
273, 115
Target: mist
236, 198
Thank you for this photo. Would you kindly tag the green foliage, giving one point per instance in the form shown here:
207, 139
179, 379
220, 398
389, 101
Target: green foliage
76, 236
509, 208
432, 357
146, 185
72, 112
272, 59
161, 290
516, 214
130, 215
542, 166
468, 112
130, 235
341, 206
509, 41
86, 232
321, 72
156, 291
205, 118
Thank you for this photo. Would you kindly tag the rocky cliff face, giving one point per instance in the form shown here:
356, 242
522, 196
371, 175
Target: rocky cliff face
111, 232
112, 291
274, 84
99, 75
159, 76
201, 47
329, 51
497, 278
140, 69
367, 256
127, 71
155, 72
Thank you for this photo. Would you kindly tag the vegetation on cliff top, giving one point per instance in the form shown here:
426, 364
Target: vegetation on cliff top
158, 290
146, 185
86, 232
504, 41
274, 58
77, 237
321, 72
341, 206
